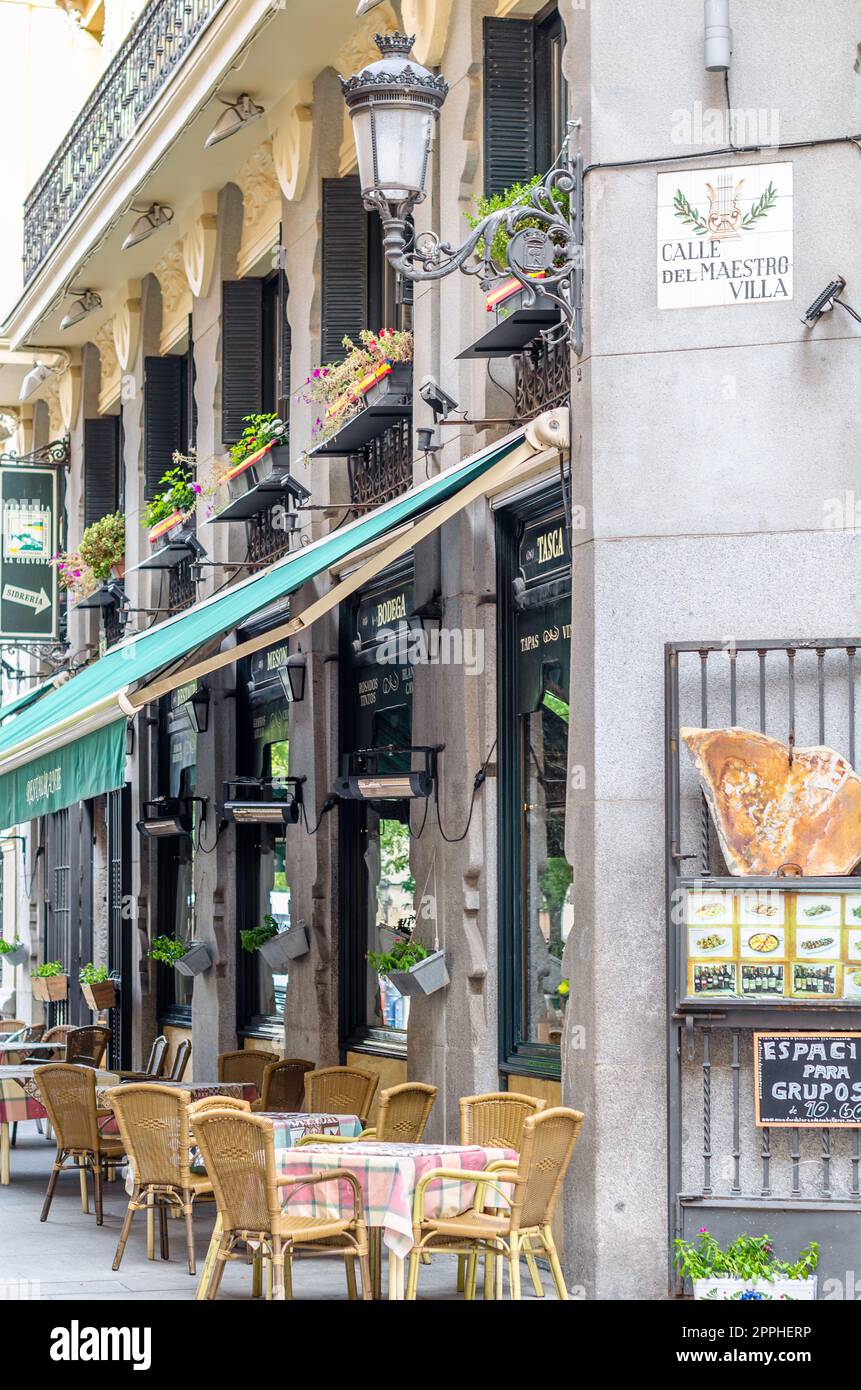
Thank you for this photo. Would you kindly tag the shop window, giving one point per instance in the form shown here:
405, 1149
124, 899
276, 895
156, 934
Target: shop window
176, 855
535, 878
377, 886
262, 751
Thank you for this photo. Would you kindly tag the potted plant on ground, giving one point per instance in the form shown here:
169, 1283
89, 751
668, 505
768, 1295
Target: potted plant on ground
411, 967
188, 957
178, 495
277, 947
14, 952
103, 546
377, 368
746, 1269
98, 987
50, 982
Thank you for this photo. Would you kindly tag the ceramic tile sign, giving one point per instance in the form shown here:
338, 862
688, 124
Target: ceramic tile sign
725, 236
807, 1079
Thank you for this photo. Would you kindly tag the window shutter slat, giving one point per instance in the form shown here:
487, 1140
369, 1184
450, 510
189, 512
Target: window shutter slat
165, 384
101, 467
509, 103
285, 347
345, 266
241, 355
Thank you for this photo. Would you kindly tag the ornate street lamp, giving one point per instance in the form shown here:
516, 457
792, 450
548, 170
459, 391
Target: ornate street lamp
394, 105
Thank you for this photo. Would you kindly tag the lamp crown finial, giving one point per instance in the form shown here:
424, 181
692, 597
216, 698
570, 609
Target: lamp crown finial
394, 43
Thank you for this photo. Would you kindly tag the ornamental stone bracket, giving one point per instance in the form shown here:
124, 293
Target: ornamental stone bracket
69, 398
176, 297
261, 207
291, 127
126, 324
199, 241
111, 374
357, 52
429, 21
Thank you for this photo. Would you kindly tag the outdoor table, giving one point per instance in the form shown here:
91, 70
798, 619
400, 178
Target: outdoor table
7, 1046
288, 1127
20, 1100
387, 1175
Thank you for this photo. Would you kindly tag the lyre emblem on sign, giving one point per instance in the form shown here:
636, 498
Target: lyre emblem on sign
724, 216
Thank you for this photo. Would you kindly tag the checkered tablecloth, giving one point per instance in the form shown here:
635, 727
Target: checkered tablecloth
290, 1126
239, 1090
387, 1175
19, 1093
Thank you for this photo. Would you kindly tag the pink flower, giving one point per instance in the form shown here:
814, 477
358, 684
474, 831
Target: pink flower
197, 488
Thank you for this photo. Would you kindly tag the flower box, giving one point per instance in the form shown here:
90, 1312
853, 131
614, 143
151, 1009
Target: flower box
168, 528
285, 946
100, 995
197, 958
386, 400
50, 988
425, 977
798, 1290
17, 956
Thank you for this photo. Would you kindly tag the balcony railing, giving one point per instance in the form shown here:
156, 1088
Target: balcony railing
154, 47
383, 468
542, 378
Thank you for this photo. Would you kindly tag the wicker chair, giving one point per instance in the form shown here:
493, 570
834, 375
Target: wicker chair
58, 1034
532, 1184
154, 1124
199, 1107
87, 1046
239, 1152
340, 1091
180, 1061
283, 1085
402, 1113
11, 1025
157, 1057
248, 1065
69, 1095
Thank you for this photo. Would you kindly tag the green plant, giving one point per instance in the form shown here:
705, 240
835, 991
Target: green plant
7, 946
73, 574
402, 956
103, 544
259, 431
509, 198
746, 1257
336, 389
167, 949
255, 937
178, 491
93, 974
554, 882
47, 969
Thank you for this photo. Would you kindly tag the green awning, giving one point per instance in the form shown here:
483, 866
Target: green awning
75, 771
14, 706
97, 696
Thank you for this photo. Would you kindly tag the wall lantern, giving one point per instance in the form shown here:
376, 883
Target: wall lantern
394, 105
152, 219
824, 303
87, 301
253, 800
197, 709
239, 114
292, 678
165, 816
362, 780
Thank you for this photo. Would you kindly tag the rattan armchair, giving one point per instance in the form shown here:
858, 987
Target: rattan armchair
154, 1124
402, 1113
180, 1061
532, 1187
253, 1201
87, 1046
248, 1065
283, 1085
11, 1025
69, 1095
198, 1107
340, 1091
58, 1034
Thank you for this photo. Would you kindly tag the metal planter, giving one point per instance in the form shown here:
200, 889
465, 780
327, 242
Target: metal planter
286, 946
797, 1290
197, 958
425, 977
17, 956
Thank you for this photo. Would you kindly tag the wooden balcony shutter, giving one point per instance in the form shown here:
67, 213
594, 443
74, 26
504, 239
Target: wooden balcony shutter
101, 467
284, 348
345, 266
165, 387
509, 103
241, 355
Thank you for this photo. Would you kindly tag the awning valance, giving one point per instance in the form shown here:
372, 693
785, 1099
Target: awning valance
104, 694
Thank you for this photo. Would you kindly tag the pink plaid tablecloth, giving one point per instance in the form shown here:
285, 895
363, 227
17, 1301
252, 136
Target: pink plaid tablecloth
19, 1093
387, 1175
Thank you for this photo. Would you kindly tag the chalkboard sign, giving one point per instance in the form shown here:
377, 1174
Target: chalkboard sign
807, 1079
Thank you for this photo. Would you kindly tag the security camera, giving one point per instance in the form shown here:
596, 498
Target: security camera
439, 401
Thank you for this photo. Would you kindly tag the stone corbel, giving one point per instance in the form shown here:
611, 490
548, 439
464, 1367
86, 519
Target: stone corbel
126, 324
428, 20
199, 240
111, 374
291, 127
175, 297
69, 397
261, 207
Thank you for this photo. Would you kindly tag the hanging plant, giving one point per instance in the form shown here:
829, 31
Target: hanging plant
103, 545
337, 389
259, 435
509, 198
178, 495
256, 937
73, 575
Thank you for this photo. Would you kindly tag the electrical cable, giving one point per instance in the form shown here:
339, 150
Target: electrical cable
328, 805
478, 780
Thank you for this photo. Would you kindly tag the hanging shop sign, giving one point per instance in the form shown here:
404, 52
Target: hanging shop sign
725, 236
28, 579
88, 767
807, 1079
769, 945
